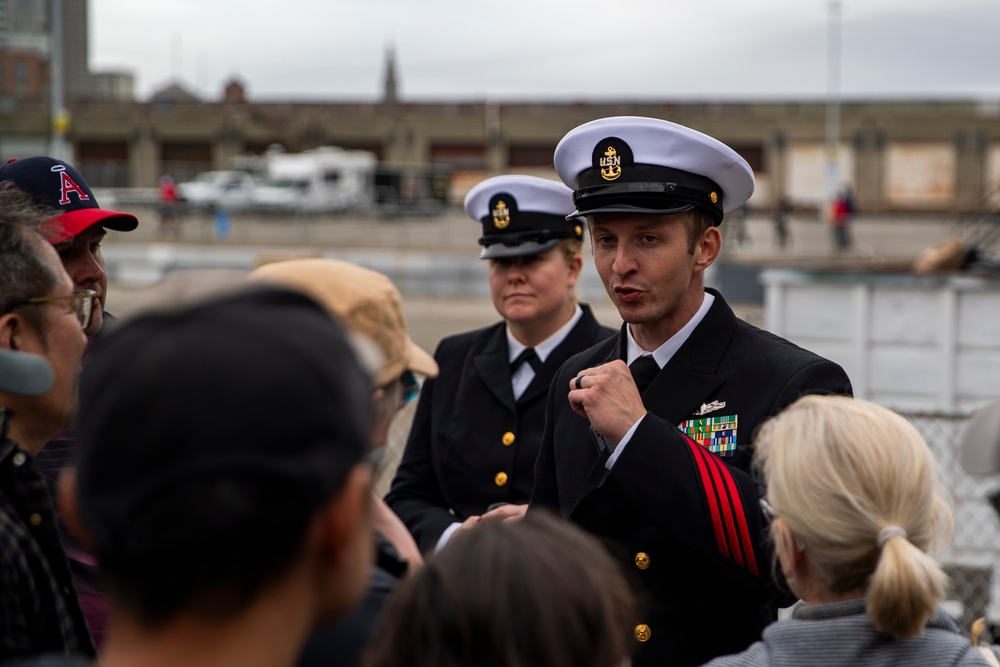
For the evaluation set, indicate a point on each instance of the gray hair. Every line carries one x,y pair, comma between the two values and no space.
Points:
23,271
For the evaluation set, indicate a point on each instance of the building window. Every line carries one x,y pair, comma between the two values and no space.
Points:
753,154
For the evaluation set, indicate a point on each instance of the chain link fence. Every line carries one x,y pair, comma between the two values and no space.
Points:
974,552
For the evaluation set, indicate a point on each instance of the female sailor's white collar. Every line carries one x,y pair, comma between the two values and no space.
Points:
545,348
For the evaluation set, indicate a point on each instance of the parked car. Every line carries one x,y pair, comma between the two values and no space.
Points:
232,190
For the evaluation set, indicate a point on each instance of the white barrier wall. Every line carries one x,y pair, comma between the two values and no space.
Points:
907,342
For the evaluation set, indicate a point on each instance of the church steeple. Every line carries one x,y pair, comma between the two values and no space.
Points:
390,85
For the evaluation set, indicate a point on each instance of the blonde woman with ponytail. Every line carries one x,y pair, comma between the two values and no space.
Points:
856,507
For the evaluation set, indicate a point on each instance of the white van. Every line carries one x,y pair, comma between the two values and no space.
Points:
322,179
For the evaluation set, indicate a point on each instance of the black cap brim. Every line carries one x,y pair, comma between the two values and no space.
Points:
626,208
496,250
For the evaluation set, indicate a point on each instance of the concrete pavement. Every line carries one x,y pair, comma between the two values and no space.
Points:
434,261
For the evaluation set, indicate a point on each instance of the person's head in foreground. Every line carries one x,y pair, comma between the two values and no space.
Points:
858,505
222,478
509,594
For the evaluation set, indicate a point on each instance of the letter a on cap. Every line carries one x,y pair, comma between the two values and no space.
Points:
68,185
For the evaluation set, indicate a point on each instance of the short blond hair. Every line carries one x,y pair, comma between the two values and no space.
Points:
571,247
839,472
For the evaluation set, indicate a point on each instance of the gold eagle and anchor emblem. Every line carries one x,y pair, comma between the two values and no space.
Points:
501,215
611,164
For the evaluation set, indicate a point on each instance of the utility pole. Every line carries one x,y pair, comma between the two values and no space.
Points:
57,103
833,103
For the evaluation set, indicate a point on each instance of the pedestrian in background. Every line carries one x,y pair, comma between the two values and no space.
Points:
781,222
169,218
471,450
841,214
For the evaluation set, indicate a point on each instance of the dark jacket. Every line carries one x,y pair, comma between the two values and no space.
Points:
39,611
684,522
471,444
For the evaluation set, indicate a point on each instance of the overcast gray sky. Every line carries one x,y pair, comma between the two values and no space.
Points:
553,49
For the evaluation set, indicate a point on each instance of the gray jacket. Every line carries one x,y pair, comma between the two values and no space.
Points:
840,634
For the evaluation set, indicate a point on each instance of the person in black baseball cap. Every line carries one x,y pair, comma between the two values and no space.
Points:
222,478
649,441
79,224
471,451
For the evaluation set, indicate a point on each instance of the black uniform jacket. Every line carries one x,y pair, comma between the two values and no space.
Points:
471,444
685,522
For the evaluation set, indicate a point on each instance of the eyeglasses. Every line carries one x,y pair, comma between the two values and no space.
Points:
768,511
81,302
410,388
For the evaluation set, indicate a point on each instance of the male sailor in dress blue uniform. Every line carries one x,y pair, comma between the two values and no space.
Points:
649,435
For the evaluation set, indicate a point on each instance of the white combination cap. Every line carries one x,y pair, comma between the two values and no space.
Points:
522,215
631,164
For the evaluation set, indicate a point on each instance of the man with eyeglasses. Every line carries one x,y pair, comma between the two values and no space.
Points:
76,228
40,314
366,303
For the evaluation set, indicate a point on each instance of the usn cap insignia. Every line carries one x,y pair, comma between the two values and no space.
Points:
611,164
611,157
501,215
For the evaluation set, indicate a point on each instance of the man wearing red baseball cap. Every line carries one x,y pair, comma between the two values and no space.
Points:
80,223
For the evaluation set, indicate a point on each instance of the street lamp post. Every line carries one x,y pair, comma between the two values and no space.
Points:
57,104
833,103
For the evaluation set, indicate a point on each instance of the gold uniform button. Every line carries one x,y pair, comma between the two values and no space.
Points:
36,519
500,479
642,560
642,632
507,439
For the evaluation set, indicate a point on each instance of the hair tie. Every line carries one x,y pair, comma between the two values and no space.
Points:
889,532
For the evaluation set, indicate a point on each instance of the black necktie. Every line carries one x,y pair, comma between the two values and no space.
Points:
529,356
644,369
